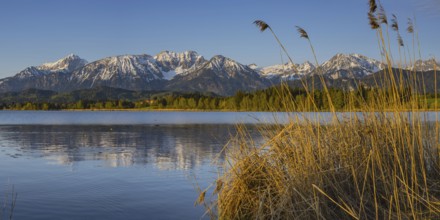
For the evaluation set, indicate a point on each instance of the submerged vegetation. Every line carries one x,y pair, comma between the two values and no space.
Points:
383,163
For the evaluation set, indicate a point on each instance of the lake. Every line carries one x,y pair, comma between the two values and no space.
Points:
135,117
115,164
111,165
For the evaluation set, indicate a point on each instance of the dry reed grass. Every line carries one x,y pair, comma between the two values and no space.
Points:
380,163
367,166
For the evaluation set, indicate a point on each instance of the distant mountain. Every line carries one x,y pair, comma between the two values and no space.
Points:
49,76
186,72
423,81
426,65
68,64
350,66
253,66
220,75
339,66
136,72
172,63
286,71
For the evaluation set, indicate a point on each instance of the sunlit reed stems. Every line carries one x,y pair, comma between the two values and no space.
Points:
381,163
303,34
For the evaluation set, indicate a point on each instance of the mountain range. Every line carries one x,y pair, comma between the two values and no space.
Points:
187,72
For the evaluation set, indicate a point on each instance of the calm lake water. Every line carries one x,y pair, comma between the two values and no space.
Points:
135,117
114,165
110,165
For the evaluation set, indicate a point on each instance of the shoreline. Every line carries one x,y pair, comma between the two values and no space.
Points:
217,110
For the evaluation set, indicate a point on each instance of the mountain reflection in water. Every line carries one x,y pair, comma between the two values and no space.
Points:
167,147
110,171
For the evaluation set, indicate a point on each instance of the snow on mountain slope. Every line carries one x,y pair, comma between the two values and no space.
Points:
31,72
339,66
426,65
286,71
350,66
67,64
186,71
172,63
171,60
227,67
253,66
126,68
220,75
164,66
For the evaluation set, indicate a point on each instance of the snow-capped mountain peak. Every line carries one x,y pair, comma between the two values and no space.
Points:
170,55
351,66
30,72
130,67
136,70
220,63
341,65
221,75
67,64
426,65
183,71
172,60
305,68
253,66
287,71
172,63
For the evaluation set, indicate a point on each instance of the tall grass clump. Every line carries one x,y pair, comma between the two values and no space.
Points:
382,162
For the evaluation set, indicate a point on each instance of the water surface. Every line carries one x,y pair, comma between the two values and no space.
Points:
135,117
118,165
175,117
109,171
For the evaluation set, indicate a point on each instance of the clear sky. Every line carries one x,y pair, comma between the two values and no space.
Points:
36,31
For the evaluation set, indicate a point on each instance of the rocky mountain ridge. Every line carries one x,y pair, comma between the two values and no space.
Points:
186,71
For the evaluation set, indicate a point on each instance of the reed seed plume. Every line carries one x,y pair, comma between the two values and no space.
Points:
382,16
373,21
373,6
302,32
261,25
394,23
410,28
400,40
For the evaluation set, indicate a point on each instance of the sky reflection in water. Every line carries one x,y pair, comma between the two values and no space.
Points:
109,171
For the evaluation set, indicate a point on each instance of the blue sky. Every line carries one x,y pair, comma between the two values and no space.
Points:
33,32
